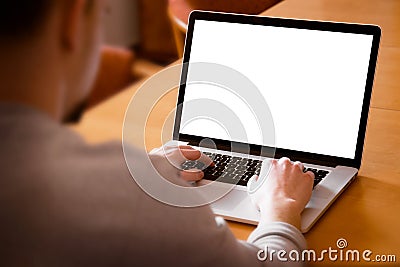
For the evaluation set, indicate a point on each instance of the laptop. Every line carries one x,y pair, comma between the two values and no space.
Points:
314,81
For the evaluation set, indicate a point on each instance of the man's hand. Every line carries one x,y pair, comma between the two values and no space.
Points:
285,192
168,160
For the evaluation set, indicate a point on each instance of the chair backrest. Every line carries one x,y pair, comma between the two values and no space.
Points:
179,10
233,6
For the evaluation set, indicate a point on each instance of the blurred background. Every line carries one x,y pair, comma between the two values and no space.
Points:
143,36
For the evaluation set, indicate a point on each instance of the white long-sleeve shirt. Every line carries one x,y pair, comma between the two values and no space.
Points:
66,203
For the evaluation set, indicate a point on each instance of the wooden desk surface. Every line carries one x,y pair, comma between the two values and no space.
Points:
366,215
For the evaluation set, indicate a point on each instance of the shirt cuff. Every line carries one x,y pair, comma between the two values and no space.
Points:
278,229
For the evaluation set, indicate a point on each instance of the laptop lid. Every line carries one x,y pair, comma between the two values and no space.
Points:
316,78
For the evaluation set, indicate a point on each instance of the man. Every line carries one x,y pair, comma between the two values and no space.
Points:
65,203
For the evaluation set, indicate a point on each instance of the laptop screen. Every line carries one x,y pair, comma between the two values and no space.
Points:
312,80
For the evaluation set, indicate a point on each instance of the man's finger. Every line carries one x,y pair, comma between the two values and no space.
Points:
185,147
284,160
190,154
193,154
299,164
206,160
311,174
250,184
255,177
192,175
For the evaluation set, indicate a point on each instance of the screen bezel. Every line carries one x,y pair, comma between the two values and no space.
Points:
312,158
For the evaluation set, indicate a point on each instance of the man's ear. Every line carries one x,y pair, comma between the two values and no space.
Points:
72,23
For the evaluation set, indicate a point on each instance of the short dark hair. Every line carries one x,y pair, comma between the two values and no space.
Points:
22,17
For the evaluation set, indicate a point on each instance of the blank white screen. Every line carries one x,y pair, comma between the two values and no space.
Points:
313,82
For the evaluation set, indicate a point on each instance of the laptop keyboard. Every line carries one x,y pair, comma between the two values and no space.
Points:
237,170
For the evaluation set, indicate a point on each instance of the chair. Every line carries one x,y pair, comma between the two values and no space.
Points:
179,10
114,74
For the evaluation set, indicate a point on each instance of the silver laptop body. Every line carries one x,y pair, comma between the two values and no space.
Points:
316,79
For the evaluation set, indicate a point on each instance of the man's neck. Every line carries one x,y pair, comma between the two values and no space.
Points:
29,79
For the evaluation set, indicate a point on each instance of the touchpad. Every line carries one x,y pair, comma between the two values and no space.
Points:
230,200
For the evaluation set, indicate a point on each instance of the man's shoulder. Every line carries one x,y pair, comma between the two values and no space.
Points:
48,161
32,139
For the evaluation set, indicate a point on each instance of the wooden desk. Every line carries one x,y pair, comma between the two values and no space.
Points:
366,215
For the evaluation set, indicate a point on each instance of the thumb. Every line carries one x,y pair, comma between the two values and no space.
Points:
251,188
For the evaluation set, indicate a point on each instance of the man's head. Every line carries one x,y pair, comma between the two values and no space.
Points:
23,17
50,51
